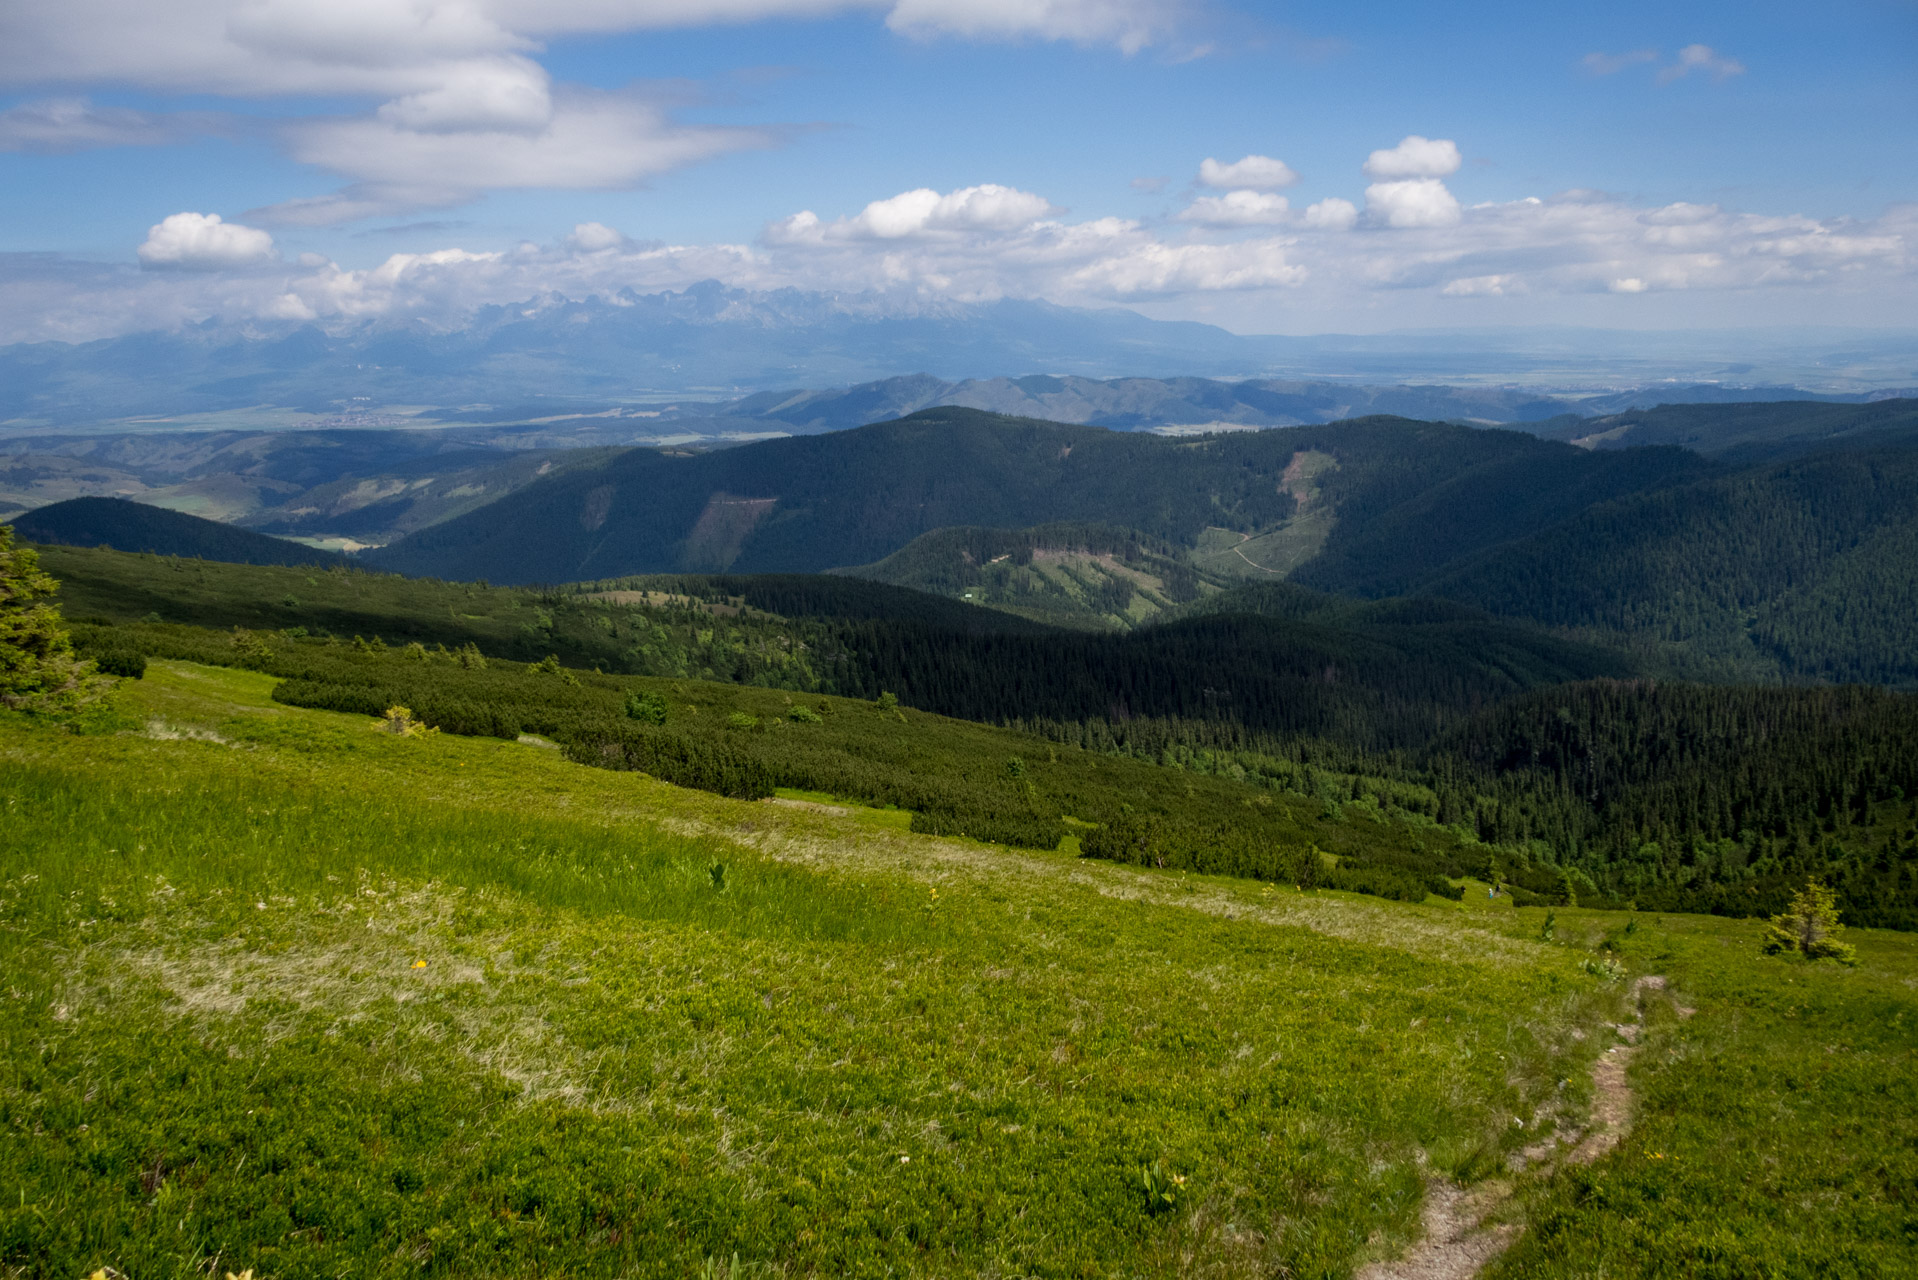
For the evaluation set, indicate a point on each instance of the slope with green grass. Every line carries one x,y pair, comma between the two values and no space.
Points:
292,994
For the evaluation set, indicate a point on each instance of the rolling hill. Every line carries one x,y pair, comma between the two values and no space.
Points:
1806,569
1746,432
854,497
134,526
350,486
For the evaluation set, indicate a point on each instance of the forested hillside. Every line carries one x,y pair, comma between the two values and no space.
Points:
1804,569
1579,776
854,497
1676,798
135,526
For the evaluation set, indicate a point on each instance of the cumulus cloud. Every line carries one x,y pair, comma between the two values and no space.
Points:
591,237
1703,59
987,207
1236,209
1257,173
1413,202
1331,214
1415,157
203,242
1153,269
922,247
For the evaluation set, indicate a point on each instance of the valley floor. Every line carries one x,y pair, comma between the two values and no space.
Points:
290,994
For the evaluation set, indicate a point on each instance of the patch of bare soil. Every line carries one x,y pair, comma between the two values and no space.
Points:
1454,1246
836,811
1458,1239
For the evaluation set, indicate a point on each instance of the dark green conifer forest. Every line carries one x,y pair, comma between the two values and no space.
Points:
1629,676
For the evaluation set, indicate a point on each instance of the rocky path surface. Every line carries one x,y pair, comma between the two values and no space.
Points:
1460,1238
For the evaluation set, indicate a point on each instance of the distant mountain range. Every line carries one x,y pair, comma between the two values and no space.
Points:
1191,406
553,356
1796,568
1792,554
348,487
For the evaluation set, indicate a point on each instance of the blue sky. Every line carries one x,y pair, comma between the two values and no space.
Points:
1749,163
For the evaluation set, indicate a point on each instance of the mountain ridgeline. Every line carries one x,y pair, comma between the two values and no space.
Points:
135,526
1796,565
853,497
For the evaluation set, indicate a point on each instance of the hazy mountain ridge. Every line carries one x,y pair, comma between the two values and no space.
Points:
553,354
356,486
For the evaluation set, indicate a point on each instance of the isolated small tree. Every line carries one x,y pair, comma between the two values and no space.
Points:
1810,927
38,671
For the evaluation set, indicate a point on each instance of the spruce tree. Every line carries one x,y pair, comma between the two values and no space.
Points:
1810,927
38,671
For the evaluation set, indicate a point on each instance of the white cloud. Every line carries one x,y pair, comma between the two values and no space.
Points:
987,207
1129,24
1259,173
1415,157
1332,214
1610,64
507,94
1701,58
1191,268
591,237
1480,286
589,140
1414,202
921,248
391,48
459,105
54,125
1236,209
203,242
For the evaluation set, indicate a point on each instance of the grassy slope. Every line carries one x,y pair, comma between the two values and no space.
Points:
295,994
1777,1130
603,1058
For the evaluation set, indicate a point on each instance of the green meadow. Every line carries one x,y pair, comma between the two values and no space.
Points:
291,994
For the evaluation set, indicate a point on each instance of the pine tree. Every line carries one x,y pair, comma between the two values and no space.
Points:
38,671
1810,926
